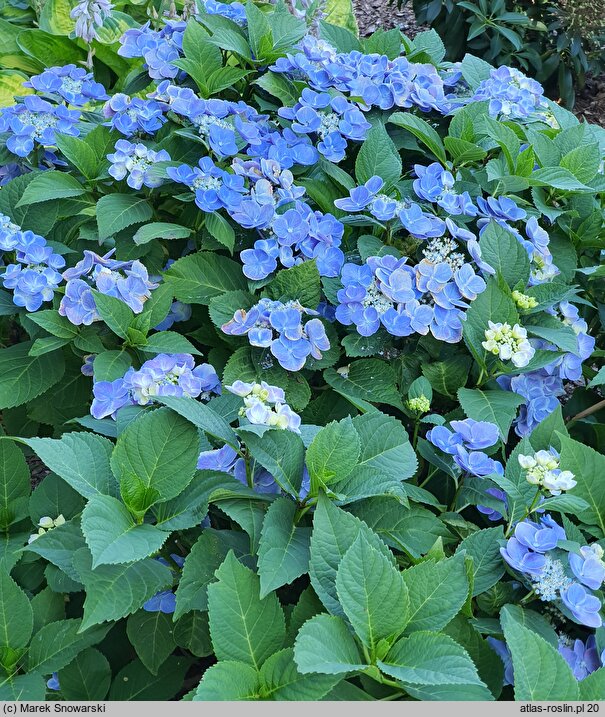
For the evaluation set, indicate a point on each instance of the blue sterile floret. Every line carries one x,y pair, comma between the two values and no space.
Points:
70,83
124,280
34,121
34,274
281,328
159,48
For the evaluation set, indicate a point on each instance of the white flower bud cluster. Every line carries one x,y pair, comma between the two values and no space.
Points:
265,405
542,470
45,524
510,344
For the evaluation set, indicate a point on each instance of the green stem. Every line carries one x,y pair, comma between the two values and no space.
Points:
415,436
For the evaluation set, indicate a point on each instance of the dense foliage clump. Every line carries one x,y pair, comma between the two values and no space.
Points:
307,330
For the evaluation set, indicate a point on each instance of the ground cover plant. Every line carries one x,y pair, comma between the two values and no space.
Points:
308,331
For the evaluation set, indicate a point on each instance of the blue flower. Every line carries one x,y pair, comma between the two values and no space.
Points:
133,115
539,538
583,658
360,197
492,513
476,435
53,682
158,48
134,162
583,605
420,224
221,459
164,601
522,559
233,11
503,208
511,94
588,567
35,121
70,83
109,397
178,312
477,463
503,652
78,303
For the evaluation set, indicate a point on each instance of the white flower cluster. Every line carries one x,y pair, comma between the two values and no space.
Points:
265,405
45,524
542,469
508,343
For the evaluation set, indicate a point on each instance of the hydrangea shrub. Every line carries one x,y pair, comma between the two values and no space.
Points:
304,329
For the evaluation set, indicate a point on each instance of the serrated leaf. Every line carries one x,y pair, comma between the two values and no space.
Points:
378,156
115,591
151,635
87,678
243,626
588,467
160,449
281,453
484,548
333,453
118,211
81,459
50,186
502,250
228,680
499,407
428,658
160,230
59,545
422,130
541,673
325,645
57,643
283,553
14,484
281,680
372,593
16,615
367,379
437,592
198,277
24,377
299,283
135,683
203,417
113,536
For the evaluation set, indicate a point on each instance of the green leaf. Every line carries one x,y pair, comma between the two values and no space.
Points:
588,467
484,549
113,536
491,305
115,591
21,688
135,683
111,365
370,380
299,283
243,626
46,345
281,452
541,673
422,130
14,484
437,592
205,557
220,229
151,635
57,325
118,211
278,86
378,156
283,553
87,678
582,162
16,615
504,252
325,645
56,644
81,459
203,417
281,680
333,453
79,153
413,530
557,178
114,312
49,186
160,450
499,407
428,658
160,230
556,333
169,342
372,593
59,545
592,688
341,38
24,377
334,531
228,680
198,277
446,377
193,633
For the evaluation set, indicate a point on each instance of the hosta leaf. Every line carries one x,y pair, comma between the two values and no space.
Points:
113,536
372,593
325,645
283,553
243,626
